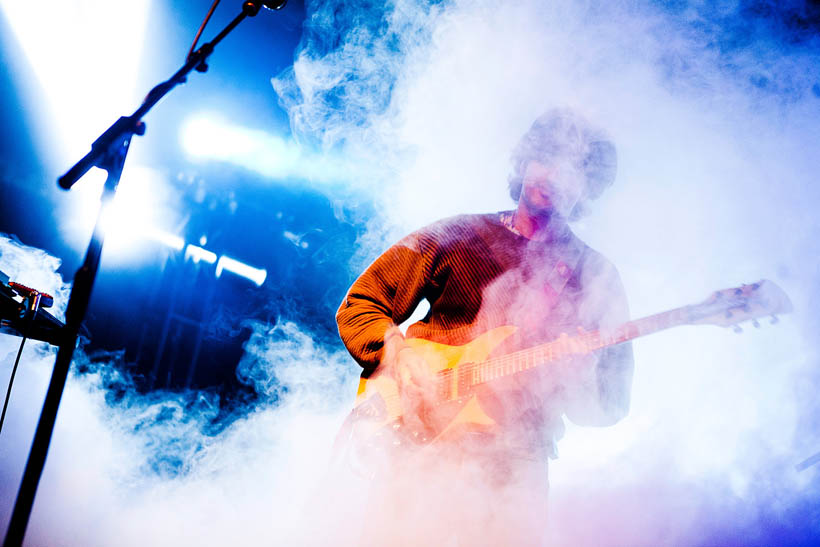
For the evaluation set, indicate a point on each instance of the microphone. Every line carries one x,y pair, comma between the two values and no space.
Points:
274,4
252,8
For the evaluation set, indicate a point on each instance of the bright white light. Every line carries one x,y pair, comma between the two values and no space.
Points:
256,275
170,240
295,239
207,136
142,204
197,254
85,55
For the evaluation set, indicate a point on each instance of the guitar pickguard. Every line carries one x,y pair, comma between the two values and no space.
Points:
378,399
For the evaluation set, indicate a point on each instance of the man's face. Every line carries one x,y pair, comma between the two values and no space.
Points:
552,189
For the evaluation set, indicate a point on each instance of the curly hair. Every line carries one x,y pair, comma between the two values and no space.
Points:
564,134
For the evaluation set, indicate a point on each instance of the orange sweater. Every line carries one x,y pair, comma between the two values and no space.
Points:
477,274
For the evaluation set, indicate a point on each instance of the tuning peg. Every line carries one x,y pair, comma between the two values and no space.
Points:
774,319
755,323
737,329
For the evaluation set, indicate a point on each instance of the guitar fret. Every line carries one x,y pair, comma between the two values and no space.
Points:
519,361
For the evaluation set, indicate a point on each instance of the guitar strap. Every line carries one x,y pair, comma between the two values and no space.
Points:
567,255
565,265
566,262
567,259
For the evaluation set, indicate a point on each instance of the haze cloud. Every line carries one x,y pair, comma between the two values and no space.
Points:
714,113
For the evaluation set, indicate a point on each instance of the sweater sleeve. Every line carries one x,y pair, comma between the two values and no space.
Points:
605,307
385,295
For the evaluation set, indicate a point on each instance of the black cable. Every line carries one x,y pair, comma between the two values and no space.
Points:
202,28
31,304
11,381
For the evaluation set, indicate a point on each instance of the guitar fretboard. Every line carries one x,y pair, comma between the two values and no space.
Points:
473,374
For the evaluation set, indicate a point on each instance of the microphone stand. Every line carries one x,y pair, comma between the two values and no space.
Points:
108,152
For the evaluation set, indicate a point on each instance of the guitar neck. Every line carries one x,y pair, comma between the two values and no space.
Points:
635,329
519,361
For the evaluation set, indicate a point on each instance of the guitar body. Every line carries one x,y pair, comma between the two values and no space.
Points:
378,405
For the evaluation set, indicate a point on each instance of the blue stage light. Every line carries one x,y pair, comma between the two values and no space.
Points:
256,275
198,254
169,240
295,239
207,137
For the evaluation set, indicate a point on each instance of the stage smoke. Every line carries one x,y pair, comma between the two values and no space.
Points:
714,110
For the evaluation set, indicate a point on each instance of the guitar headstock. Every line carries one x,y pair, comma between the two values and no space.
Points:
745,303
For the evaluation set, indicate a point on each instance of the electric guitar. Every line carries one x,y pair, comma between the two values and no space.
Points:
461,370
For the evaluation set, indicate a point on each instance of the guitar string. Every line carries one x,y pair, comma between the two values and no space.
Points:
526,359
589,342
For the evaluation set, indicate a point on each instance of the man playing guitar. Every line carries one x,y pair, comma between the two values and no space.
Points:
523,277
